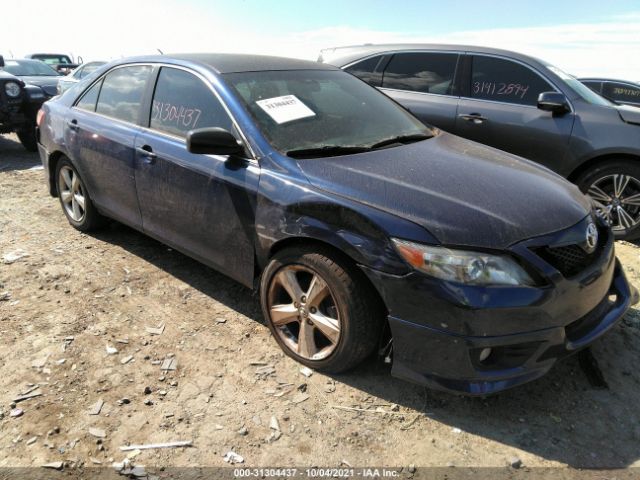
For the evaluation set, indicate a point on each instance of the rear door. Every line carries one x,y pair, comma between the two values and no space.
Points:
425,83
201,204
499,108
100,133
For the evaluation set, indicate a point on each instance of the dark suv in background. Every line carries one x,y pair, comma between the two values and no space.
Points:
618,91
19,104
519,104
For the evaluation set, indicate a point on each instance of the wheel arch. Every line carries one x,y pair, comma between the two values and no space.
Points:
600,159
349,261
54,158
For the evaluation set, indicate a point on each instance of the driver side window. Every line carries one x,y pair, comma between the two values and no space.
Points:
182,102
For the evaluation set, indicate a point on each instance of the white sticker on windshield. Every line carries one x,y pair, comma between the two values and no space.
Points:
285,109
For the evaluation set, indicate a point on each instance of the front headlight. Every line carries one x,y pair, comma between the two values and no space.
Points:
12,89
475,268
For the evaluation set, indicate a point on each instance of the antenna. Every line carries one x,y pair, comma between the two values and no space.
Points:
161,52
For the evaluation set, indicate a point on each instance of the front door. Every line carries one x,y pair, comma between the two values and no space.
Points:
203,205
500,110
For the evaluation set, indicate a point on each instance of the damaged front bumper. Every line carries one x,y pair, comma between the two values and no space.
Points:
481,340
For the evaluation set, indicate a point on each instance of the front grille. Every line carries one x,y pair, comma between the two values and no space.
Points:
570,260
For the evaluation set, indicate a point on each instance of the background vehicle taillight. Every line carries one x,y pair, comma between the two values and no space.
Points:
40,117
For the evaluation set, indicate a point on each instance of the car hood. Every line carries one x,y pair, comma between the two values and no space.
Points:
48,84
629,114
462,192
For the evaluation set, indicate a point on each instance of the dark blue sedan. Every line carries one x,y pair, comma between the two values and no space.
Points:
473,269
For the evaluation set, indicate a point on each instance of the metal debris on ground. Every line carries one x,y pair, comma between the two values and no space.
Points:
126,359
176,444
31,441
96,408
306,371
301,397
265,371
169,364
40,362
273,424
232,457
97,432
54,465
28,396
155,330
111,350
14,256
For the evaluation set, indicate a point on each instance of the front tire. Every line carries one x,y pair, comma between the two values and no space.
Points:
74,198
27,137
615,187
320,309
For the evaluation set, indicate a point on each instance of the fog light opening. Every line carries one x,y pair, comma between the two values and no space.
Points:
484,354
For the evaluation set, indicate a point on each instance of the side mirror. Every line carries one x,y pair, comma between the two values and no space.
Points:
553,102
213,141
1,61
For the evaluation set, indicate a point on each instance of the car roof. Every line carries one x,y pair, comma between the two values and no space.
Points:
234,63
341,56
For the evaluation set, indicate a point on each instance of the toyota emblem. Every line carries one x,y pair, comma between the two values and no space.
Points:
591,238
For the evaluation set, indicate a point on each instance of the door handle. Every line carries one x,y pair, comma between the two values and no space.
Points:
73,125
475,118
147,154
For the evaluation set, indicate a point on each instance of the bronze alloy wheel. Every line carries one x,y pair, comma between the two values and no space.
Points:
304,312
71,193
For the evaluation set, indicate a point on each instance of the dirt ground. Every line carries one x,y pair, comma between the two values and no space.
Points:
74,295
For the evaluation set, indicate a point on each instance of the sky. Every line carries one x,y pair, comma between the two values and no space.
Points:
584,38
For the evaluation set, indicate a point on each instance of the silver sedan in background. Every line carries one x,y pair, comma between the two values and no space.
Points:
68,81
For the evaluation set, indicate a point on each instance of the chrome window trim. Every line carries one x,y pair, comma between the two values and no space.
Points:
253,156
419,93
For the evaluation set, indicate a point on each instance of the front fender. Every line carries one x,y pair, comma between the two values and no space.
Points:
288,210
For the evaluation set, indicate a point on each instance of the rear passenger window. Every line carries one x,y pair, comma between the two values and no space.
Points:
621,92
506,81
122,92
89,99
422,72
365,70
182,102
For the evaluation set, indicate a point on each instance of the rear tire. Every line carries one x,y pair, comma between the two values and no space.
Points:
615,185
342,317
74,198
27,137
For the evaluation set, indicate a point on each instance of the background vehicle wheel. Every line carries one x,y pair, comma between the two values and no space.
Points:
615,186
320,309
74,198
28,139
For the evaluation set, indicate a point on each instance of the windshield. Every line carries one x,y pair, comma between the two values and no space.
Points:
581,89
323,109
30,68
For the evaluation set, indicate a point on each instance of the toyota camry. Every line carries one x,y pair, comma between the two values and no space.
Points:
363,229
